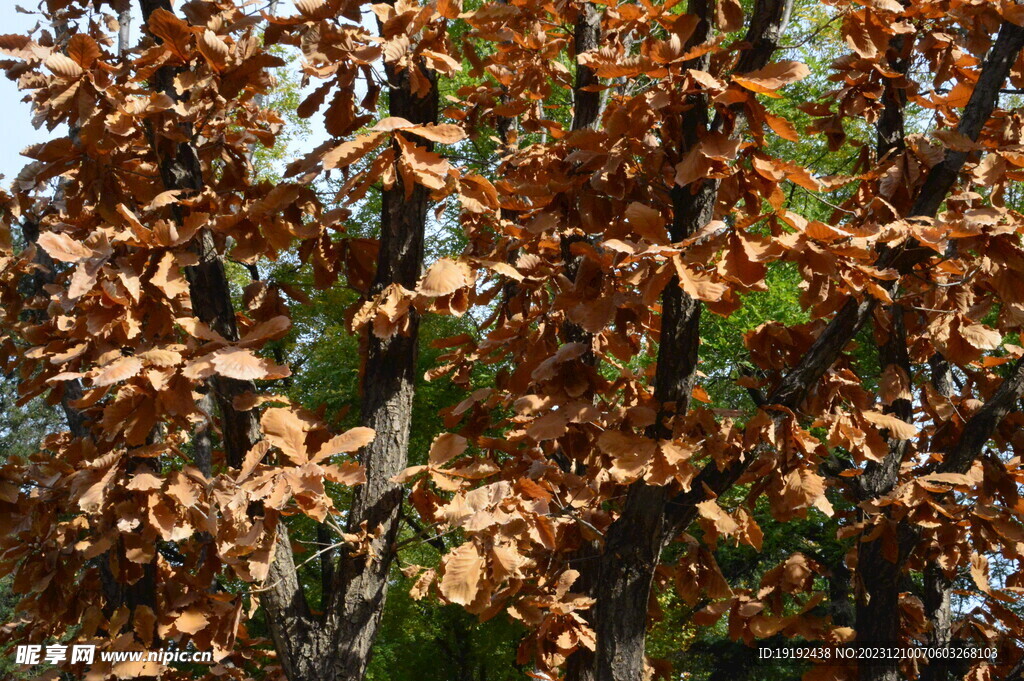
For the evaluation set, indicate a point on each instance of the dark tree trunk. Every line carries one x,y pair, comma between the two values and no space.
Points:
877,612
994,72
389,378
634,542
586,114
586,37
878,621
938,587
877,598
937,590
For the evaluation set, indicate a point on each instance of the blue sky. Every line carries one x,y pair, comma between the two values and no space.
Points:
16,131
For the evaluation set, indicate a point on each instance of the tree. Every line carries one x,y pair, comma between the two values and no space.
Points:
627,190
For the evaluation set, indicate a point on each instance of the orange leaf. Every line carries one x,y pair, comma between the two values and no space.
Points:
772,77
83,50
462,571
349,441
287,430
117,371
64,248
446,447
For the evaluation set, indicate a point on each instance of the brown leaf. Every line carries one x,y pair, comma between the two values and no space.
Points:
191,621
782,127
422,585
772,77
426,167
729,15
901,430
979,572
981,336
443,278
169,278
349,152
722,522
252,459
174,32
241,363
215,50
444,133
548,427
143,482
117,371
272,329
63,66
286,430
83,50
446,447
349,473
349,441
462,573
64,248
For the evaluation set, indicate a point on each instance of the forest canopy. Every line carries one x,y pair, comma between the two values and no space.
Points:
481,340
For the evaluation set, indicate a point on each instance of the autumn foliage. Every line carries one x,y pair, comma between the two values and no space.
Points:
636,188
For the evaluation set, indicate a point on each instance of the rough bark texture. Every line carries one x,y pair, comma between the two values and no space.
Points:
586,37
798,383
996,69
388,385
586,110
78,425
877,616
877,612
878,620
936,598
980,427
180,168
635,540
586,114
337,644
938,587
289,618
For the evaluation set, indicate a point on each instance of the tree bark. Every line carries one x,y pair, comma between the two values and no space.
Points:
360,585
878,618
938,587
586,37
877,611
208,284
335,645
797,384
877,604
586,114
994,73
635,540
289,617
124,26
937,591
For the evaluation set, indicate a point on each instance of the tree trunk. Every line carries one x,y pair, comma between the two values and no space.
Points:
337,644
878,619
937,590
938,587
877,605
389,377
877,612
124,26
635,540
586,114
208,284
